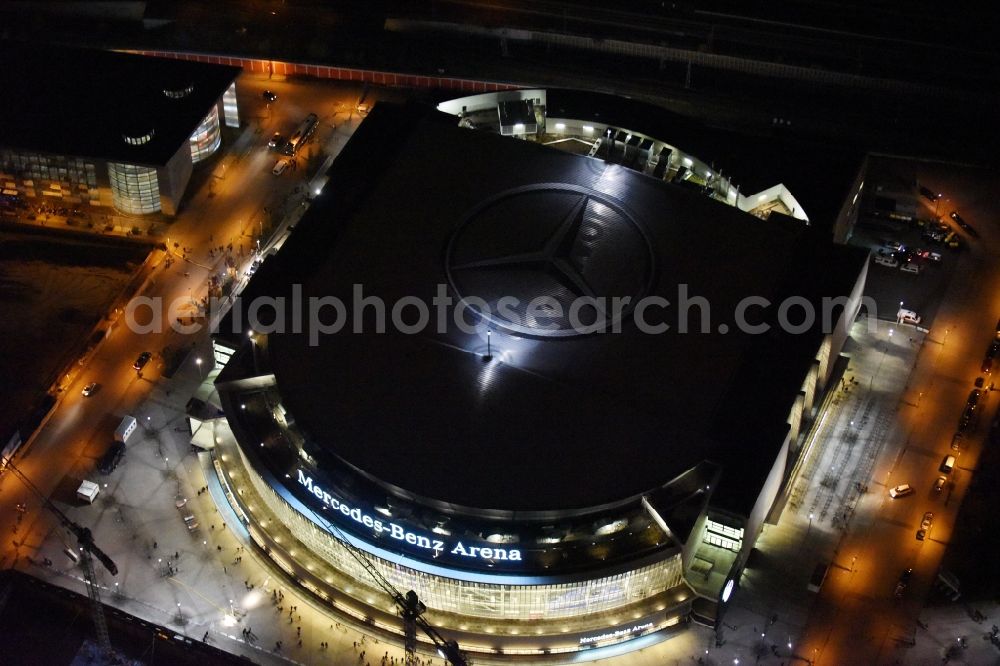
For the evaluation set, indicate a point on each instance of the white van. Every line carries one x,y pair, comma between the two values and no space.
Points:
947,464
886,260
125,429
279,167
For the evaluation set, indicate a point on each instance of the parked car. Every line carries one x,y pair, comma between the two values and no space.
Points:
903,582
269,96
90,389
987,365
277,141
927,255
928,194
907,317
142,360
279,167
973,398
911,267
891,262
901,490
939,483
966,419
111,458
960,221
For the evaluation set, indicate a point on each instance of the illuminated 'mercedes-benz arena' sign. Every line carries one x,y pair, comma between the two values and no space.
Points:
380,527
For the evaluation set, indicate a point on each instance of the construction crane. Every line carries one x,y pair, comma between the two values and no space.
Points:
88,550
409,606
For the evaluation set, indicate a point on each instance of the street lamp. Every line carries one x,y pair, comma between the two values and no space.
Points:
197,362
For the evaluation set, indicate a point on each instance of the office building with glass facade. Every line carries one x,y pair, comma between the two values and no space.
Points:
547,473
115,130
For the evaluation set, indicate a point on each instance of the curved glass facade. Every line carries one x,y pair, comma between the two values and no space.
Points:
206,139
491,601
134,189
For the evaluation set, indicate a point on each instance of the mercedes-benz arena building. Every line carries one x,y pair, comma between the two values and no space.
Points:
545,485
99,128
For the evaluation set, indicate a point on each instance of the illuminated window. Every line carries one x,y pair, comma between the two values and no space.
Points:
35,173
723,536
206,138
134,189
483,600
229,107
139,140
179,93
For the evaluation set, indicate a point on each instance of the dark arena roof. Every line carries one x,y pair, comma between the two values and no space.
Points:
556,420
84,102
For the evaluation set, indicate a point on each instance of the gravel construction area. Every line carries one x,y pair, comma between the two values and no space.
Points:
52,293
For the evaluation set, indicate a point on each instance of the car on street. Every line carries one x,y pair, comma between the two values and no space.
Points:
277,141
901,490
960,221
142,360
279,167
903,582
939,483
891,262
979,382
987,365
911,267
90,389
269,96
363,109
907,317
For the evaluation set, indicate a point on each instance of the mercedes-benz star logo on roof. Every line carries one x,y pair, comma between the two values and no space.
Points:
550,260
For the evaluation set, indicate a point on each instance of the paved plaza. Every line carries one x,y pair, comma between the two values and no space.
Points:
213,580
